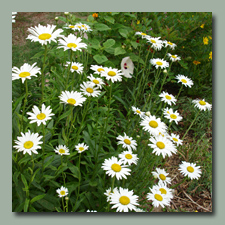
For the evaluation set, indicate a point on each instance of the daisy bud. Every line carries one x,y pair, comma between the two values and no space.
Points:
56,18
138,136
165,71
66,198
66,13
148,113
123,46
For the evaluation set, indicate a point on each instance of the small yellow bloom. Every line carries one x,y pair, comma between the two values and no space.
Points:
192,15
210,37
95,15
138,22
210,55
202,26
196,62
205,40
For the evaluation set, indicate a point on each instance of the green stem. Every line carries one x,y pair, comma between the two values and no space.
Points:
69,66
43,148
63,204
179,91
191,125
78,192
176,185
43,76
24,105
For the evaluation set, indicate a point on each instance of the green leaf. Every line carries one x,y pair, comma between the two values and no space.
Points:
94,43
24,181
121,101
119,51
101,27
123,32
26,205
93,183
62,19
134,44
100,58
75,170
129,14
67,113
109,43
46,204
90,18
114,13
109,19
37,198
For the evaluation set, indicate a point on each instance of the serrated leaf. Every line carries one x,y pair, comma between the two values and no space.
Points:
101,27
100,58
109,43
119,51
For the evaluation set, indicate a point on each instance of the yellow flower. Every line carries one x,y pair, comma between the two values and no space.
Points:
192,15
138,22
210,55
202,26
95,15
210,37
205,40
196,62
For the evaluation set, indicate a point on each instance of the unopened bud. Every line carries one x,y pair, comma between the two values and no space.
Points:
165,71
66,198
148,113
56,18
138,136
66,13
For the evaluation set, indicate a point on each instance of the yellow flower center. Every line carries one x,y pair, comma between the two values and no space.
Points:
168,97
173,116
71,45
62,151
124,200
138,111
143,34
175,139
116,167
127,141
173,56
170,43
71,26
79,26
158,197
71,101
89,90
160,145
112,73
28,144
153,41
168,112
100,70
44,36
190,169
128,156
183,80
96,81
41,116
74,67
81,148
202,103
62,192
153,124
83,25
159,63
24,74
162,176
163,191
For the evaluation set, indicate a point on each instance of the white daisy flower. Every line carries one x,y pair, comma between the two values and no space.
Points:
161,174
62,150
81,147
173,116
202,104
85,28
26,71
153,125
13,17
87,88
162,145
91,210
73,98
128,157
127,142
71,42
109,192
44,34
137,111
184,80
124,200
28,143
71,27
170,44
159,63
63,191
156,43
112,74
143,35
173,58
168,98
96,81
158,199
78,26
127,67
40,116
176,139
190,170
162,187
97,69
139,210
75,67
115,167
